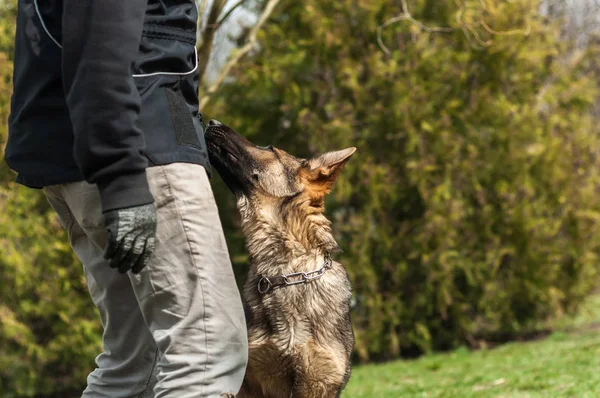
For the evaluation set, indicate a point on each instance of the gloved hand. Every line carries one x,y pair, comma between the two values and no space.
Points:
131,235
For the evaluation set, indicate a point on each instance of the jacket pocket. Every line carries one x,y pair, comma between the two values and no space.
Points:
170,119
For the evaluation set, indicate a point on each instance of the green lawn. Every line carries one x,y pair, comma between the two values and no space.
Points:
566,364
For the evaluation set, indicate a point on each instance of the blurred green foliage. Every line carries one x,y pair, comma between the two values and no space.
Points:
49,328
468,213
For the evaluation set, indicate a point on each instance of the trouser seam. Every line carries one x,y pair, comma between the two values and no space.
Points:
204,321
151,374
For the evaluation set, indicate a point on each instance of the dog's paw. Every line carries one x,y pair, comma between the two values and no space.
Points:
227,395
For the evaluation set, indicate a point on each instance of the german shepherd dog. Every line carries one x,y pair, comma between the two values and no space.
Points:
296,298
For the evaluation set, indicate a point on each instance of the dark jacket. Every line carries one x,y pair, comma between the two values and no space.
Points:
102,90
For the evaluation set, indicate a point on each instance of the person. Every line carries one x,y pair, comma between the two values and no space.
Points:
104,118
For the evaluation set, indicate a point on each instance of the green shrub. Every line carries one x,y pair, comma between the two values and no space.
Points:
49,328
470,210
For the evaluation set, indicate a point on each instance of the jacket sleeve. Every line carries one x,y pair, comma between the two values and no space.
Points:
100,39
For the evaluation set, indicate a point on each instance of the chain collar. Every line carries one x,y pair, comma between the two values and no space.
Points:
265,284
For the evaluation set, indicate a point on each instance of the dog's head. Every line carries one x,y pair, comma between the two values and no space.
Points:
270,175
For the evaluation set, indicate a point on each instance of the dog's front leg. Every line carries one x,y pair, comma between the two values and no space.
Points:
319,372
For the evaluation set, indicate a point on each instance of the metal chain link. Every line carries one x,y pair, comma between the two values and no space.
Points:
265,284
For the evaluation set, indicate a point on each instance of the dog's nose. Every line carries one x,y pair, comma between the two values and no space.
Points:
214,122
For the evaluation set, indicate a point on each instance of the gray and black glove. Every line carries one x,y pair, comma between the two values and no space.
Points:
131,235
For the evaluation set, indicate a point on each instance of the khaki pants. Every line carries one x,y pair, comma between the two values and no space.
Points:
177,329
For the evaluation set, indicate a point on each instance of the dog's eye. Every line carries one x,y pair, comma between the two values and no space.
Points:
255,176
267,148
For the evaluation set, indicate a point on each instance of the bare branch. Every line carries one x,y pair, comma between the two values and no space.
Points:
205,47
419,24
240,53
230,11
524,32
380,28
468,29
202,4
479,40
405,16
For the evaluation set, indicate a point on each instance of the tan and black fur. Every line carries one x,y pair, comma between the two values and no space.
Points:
300,337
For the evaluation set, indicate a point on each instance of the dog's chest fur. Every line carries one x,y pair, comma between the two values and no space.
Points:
292,315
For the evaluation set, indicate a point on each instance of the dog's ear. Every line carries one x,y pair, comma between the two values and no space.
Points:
329,164
322,171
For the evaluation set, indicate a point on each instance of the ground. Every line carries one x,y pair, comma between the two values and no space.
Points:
565,364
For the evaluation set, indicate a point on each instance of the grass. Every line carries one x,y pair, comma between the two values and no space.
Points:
565,364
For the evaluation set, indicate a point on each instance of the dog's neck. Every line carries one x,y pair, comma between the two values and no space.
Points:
299,237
